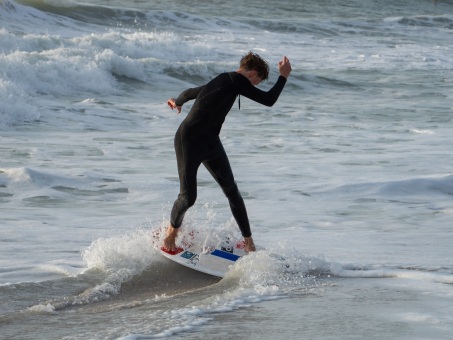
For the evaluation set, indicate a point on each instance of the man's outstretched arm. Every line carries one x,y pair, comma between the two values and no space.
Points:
270,97
184,97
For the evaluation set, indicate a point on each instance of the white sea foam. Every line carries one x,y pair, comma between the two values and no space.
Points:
422,132
48,308
25,176
16,105
129,253
417,275
66,270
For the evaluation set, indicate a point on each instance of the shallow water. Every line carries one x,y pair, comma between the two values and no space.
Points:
347,178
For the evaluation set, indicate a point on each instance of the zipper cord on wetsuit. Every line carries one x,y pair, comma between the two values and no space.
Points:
239,101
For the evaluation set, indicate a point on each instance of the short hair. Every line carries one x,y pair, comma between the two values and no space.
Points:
252,61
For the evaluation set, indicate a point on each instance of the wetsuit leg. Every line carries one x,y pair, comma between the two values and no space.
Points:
219,167
188,160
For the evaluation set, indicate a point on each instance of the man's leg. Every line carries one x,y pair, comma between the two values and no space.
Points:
188,163
219,167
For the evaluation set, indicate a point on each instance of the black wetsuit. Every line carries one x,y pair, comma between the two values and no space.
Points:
197,141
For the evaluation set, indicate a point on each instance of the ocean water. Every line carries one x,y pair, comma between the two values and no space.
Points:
347,179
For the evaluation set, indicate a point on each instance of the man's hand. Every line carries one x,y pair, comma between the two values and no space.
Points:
171,102
284,67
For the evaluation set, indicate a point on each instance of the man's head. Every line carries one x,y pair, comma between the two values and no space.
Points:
253,62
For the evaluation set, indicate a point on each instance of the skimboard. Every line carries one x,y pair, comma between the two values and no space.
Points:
213,260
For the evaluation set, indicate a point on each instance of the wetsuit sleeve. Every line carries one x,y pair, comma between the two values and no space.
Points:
187,95
266,98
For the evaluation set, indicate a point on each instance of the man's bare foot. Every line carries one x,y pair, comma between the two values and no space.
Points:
249,244
170,239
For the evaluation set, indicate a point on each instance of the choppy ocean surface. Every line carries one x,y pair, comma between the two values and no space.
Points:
348,178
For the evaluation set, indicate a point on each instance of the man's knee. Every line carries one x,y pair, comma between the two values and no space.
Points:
188,200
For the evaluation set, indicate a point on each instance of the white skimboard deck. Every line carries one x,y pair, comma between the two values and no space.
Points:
213,260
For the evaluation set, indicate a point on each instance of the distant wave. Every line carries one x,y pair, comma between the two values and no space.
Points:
81,50
415,186
32,65
439,21
41,188
45,12
420,275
